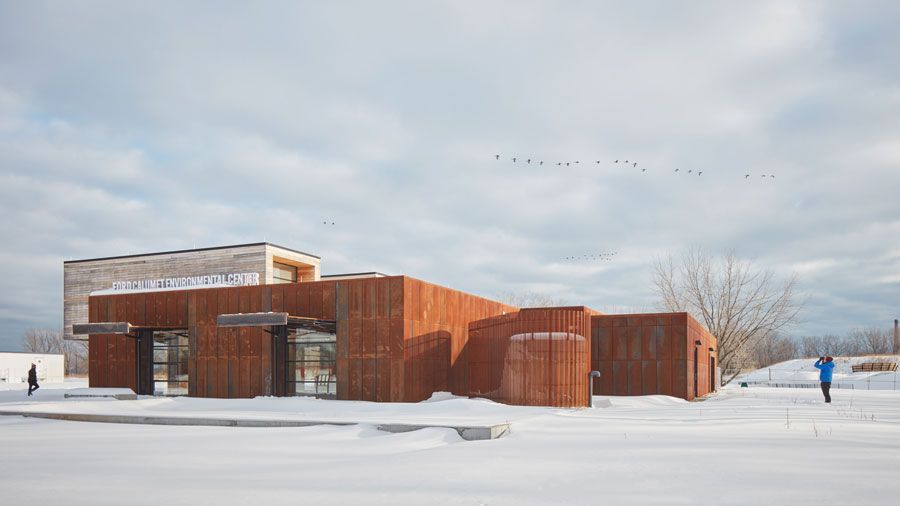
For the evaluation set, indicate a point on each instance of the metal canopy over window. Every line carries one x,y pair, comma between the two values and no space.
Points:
273,319
120,328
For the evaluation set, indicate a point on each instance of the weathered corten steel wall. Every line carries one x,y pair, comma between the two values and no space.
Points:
112,358
644,354
532,357
437,319
398,338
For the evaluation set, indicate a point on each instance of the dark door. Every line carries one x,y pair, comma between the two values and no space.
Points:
696,372
144,357
712,374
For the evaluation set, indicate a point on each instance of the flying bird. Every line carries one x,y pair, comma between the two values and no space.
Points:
542,162
497,157
529,160
635,164
746,176
514,159
616,161
567,164
676,170
700,173
598,161
643,170
690,170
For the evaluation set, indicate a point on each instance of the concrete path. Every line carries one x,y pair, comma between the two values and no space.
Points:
469,433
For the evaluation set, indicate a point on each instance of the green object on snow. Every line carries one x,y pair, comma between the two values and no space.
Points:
743,384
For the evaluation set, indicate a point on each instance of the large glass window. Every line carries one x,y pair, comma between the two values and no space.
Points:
170,363
283,273
310,368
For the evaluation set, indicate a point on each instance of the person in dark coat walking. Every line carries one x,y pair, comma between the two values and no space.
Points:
32,380
825,365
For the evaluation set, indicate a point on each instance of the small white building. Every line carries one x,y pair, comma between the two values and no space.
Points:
14,367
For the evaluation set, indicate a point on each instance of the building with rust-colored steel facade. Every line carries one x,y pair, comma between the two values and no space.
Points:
373,337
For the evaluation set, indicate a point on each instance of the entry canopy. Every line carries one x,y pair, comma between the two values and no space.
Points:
101,328
123,328
275,319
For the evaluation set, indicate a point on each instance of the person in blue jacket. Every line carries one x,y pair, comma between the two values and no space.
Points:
825,365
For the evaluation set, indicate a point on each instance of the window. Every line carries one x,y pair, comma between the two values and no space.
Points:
310,366
170,363
283,273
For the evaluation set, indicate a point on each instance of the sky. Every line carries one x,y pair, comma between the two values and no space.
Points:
139,127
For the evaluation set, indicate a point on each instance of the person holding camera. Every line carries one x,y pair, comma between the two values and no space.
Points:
825,365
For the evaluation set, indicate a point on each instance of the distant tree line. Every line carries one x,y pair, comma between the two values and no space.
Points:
51,341
775,348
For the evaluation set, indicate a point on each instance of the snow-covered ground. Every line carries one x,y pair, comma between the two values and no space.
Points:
802,373
741,446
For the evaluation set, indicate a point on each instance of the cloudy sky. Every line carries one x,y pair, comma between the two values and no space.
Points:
168,125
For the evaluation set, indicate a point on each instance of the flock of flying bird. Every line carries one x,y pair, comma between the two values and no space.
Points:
608,256
633,164
594,257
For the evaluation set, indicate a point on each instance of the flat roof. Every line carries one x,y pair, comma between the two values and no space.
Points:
372,273
189,251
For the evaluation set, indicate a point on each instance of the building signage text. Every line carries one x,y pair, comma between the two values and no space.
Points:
233,279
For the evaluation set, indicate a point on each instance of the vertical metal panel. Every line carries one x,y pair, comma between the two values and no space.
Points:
214,302
368,338
634,342
303,306
329,302
649,382
192,300
316,303
648,342
620,341
680,378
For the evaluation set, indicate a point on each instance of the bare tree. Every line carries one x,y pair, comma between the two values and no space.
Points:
829,344
530,299
51,341
872,340
40,341
772,349
738,303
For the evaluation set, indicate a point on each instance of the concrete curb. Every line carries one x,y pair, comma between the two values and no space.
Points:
467,432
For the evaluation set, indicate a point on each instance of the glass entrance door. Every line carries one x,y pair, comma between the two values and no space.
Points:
170,362
310,364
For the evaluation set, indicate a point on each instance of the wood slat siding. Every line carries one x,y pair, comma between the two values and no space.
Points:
645,354
531,370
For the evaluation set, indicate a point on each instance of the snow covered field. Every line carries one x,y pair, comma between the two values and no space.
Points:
802,373
742,446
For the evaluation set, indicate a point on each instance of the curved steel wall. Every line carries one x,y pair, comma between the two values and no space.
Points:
533,357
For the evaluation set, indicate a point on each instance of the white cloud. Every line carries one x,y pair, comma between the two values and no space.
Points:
126,128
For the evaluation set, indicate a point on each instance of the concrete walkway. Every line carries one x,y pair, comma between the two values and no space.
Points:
469,433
